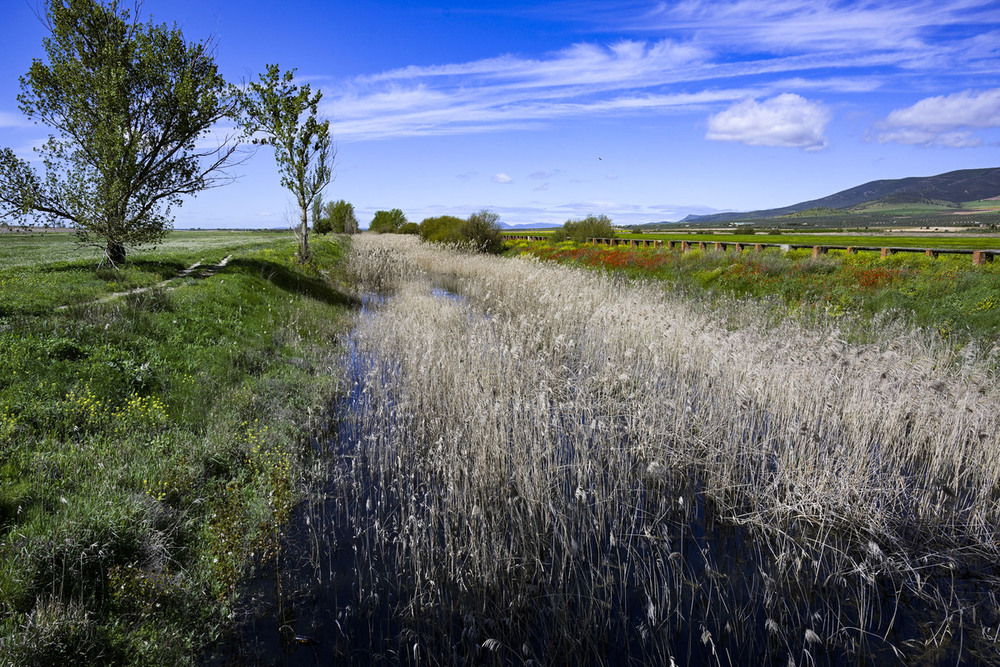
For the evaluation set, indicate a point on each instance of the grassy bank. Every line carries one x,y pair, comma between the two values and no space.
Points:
946,294
150,444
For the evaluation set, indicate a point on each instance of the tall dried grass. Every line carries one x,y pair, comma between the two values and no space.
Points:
558,463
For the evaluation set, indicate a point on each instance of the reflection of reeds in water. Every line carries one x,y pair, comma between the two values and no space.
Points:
566,467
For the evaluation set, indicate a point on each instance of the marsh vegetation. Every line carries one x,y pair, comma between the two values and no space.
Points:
538,463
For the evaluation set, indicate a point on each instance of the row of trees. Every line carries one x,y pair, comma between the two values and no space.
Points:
481,230
132,107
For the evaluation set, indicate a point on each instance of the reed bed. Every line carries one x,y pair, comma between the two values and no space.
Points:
545,464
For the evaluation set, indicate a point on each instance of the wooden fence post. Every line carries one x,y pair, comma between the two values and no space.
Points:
980,257
818,250
885,253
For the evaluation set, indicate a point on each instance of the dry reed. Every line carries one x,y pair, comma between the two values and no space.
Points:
559,463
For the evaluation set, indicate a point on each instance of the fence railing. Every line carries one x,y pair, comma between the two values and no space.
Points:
979,257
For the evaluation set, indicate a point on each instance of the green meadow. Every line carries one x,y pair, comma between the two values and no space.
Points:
152,443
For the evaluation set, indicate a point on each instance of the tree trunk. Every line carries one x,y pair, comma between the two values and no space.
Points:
304,238
115,252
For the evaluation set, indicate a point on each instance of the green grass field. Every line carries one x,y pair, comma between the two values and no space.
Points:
151,445
50,247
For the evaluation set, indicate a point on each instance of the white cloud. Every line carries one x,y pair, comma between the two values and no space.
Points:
947,112
502,178
945,120
787,120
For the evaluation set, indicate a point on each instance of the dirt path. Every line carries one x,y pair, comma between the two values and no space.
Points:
210,270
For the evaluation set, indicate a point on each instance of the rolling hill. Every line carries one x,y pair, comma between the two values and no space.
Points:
953,188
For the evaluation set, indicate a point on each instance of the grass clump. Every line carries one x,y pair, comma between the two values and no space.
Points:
152,443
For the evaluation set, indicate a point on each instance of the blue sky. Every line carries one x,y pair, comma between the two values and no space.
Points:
545,111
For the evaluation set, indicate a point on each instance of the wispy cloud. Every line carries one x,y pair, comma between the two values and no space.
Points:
512,92
917,137
908,31
702,55
502,178
787,120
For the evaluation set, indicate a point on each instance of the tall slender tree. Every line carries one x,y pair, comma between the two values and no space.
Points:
128,103
280,113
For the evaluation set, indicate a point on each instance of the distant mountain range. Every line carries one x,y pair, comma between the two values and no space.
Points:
953,187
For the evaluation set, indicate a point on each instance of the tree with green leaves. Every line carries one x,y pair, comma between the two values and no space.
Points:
340,217
591,227
280,113
482,230
442,229
387,221
128,102
321,223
